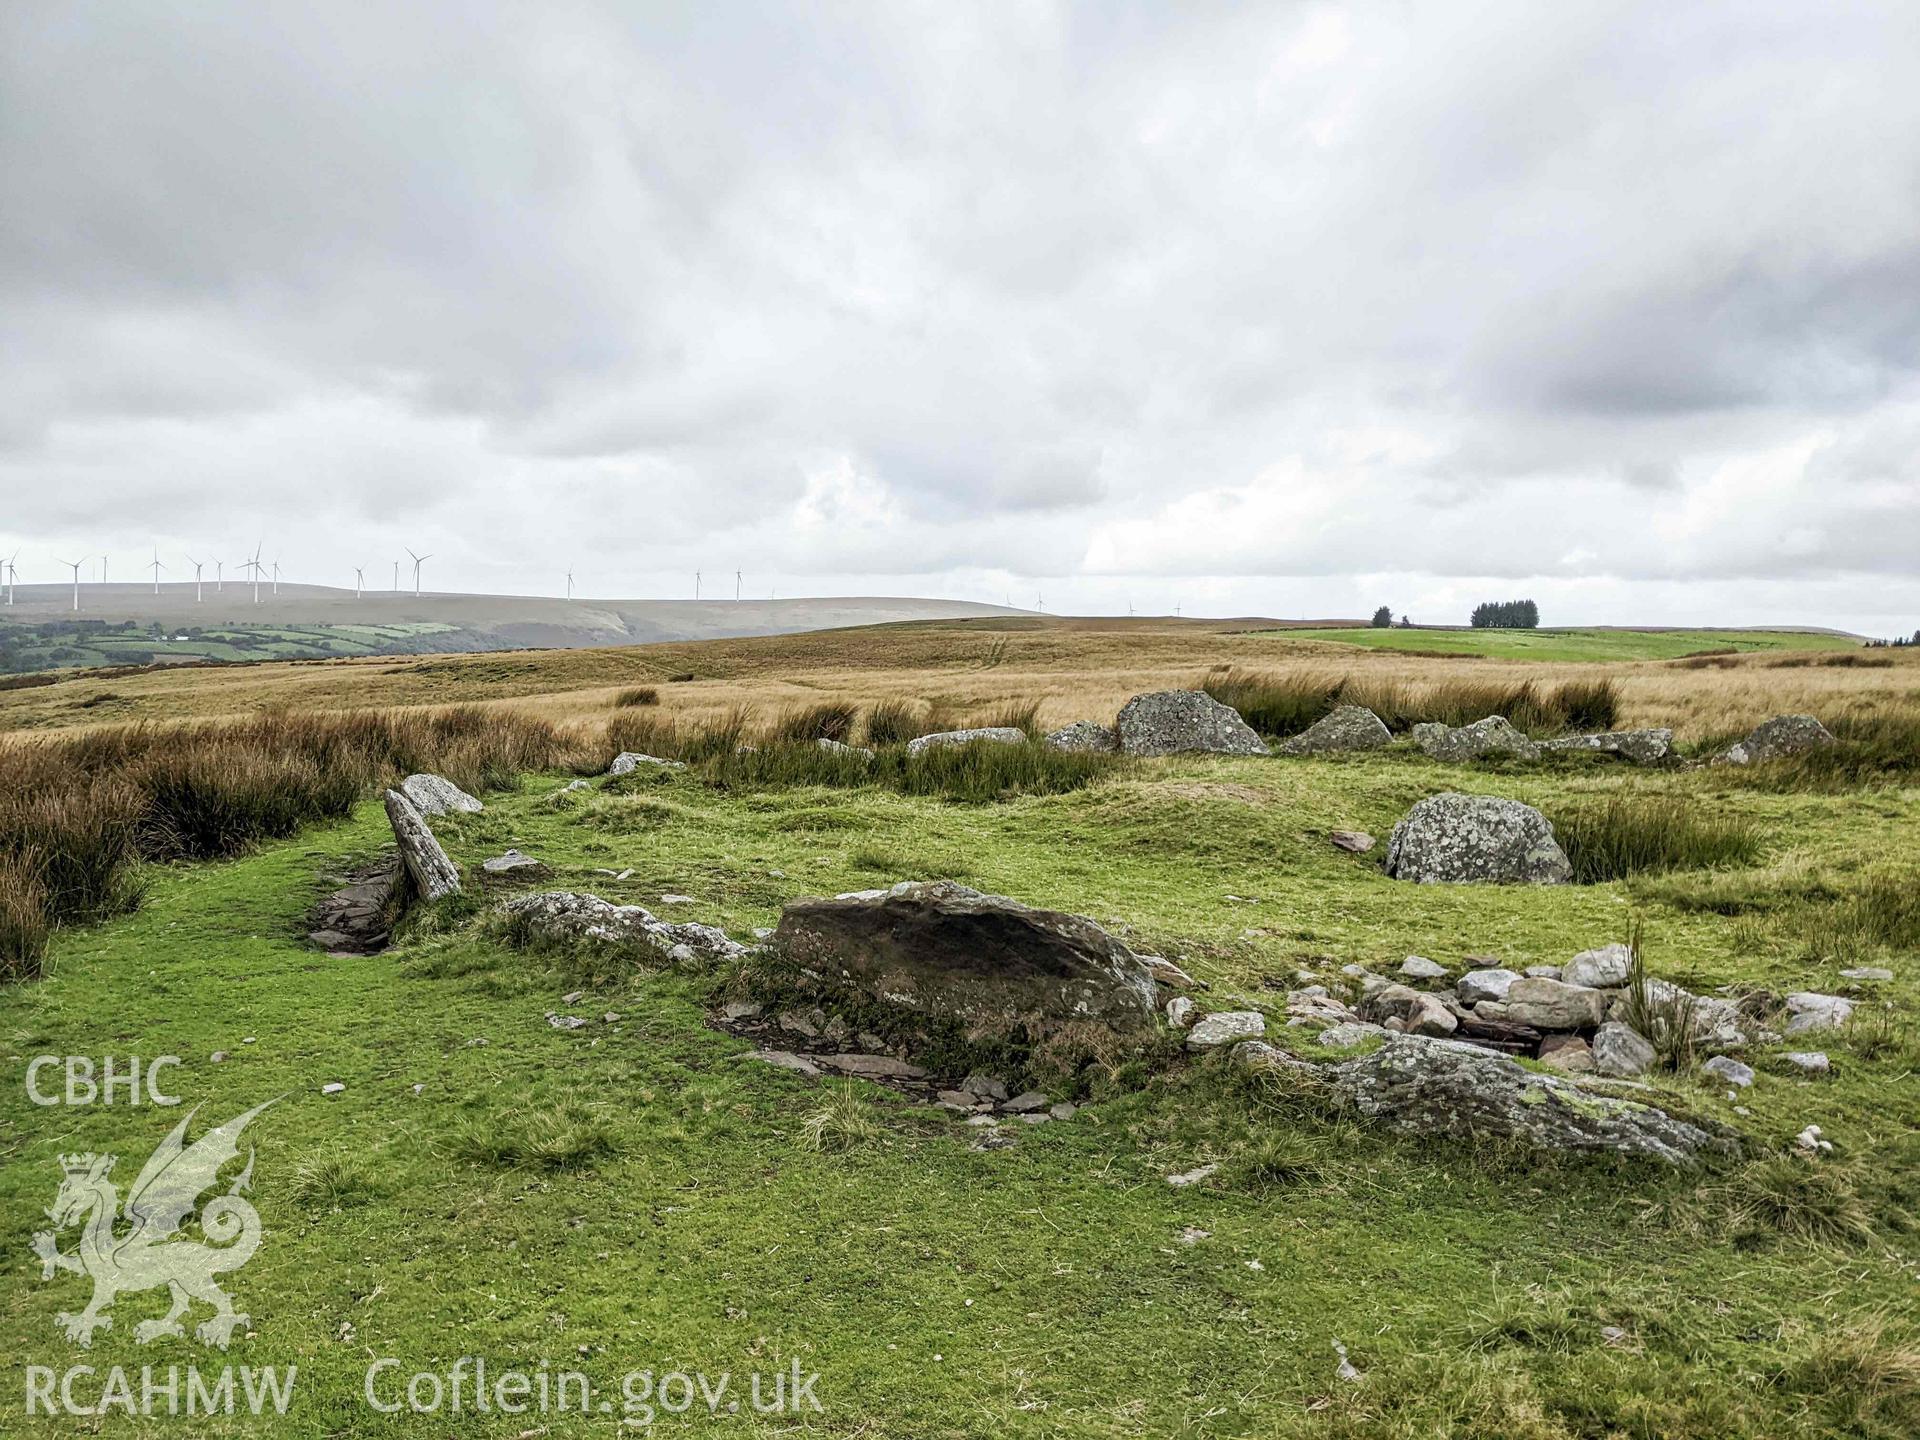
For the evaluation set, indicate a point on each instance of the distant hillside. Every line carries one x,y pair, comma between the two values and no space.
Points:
128,624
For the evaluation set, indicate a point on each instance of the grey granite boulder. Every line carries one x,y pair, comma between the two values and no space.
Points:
1483,738
436,795
1812,1011
560,917
950,954
1554,1004
1478,985
1084,735
1725,1067
1606,968
1228,1027
1782,735
990,735
1621,1051
1345,727
628,761
1642,747
1173,722
434,876
1476,839
1446,1088
840,747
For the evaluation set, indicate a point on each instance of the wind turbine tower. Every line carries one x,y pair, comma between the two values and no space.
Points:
569,582
156,567
197,567
13,575
276,577
359,582
75,564
736,587
418,561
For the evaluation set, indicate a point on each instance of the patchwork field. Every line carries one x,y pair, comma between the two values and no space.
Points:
638,1194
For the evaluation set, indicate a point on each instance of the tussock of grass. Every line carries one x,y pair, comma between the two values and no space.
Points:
893,722
844,1120
1285,705
1879,748
1629,835
1792,1197
1275,1161
1015,715
1667,1020
636,696
563,1137
830,720
23,920
332,1182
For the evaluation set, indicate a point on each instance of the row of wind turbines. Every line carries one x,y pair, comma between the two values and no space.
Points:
250,567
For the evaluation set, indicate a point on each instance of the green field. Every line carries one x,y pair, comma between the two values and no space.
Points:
70,644
1578,644
637,1195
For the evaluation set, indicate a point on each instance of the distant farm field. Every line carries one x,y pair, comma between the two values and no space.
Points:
1580,644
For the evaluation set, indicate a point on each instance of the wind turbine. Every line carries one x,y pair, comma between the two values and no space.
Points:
219,576
103,569
75,564
13,575
418,561
255,566
156,567
359,582
396,577
696,584
569,582
276,577
197,567
736,587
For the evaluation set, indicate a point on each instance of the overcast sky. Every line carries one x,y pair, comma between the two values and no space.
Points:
1290,309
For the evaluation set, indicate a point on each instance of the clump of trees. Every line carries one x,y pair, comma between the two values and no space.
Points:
1383,618
1894,644
1506,615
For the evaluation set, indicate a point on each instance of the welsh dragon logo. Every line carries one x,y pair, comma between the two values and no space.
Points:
151,1252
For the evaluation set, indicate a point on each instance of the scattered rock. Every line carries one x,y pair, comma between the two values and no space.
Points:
1478,985
434,876
219,1057
1725,1067
742,1010
553,916
872,1067
1715,1021
1469,839
1782,735
1063,1110
513,863
1554,1004
1354,842
1165,972
1180,1012
1172,722
1867,972
1349,1034
1566,1052
1312,1004
1345,727
565,1022
1228,1027
1814,1011
1621,1051
628,761
434,795
1543,972
1414,1011
1193,1176
332,1087
1446,1087
1492,736
786,1060
1642,747
944,952
573,785
1809,1139
1022,1104
1193,1235
1605,968
838,747
991,735
985,1087
1421,968
957,1099
1813,1062
1084,735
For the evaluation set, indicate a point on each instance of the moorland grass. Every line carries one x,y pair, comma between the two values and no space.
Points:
1626,835
1282,705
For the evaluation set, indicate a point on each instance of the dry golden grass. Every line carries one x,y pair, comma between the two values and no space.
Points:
1073,669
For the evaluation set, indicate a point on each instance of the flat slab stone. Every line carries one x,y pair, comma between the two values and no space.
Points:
1226,1028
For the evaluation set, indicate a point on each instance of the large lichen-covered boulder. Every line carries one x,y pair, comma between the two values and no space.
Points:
1435,1087
990,735
1642,747
1454,839
1084,735
558,917
1173,722
945,952
1782,735
1345,727
436,795
1493,736
434,876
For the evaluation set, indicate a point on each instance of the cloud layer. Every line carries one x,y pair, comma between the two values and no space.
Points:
1284,308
